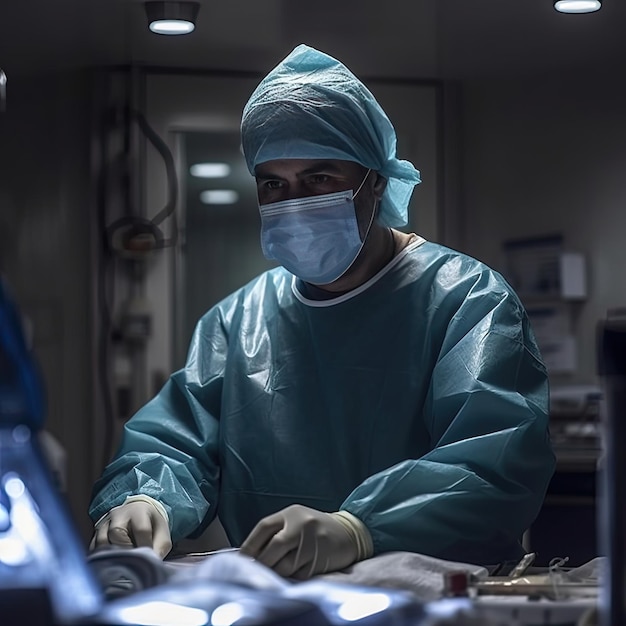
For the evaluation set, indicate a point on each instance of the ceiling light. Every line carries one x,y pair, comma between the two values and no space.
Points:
577,6
210,170
172,18
219,196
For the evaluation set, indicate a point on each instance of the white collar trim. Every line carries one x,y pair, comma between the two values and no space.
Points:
361,288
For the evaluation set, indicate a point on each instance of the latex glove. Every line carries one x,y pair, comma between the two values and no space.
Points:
299,542
140,522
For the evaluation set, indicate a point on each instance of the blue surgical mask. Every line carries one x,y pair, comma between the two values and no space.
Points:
316,238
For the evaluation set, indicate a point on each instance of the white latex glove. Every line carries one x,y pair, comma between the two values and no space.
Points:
299,542
139,522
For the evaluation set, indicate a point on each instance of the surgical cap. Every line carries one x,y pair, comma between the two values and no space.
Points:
310,106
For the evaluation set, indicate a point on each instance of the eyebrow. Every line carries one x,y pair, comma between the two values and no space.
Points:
322,166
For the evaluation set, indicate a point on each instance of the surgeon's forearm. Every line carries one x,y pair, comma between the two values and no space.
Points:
461,516
174,485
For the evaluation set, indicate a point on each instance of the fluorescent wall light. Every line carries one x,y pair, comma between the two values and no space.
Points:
171,18
210,170
577,6
219,196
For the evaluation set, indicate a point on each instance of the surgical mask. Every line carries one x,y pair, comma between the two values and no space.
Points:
316,238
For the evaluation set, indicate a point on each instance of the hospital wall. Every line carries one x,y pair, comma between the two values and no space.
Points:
526,157
548,155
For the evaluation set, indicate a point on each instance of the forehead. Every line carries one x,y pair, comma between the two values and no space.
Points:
301,167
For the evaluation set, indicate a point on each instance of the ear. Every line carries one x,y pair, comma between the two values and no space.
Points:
379,186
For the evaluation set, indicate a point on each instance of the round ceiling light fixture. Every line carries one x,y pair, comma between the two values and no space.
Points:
172,18
577,6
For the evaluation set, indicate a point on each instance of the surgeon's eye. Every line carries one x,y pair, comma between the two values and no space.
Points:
318,179
270,184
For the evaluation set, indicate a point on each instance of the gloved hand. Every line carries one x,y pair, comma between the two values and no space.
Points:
139,522
299,542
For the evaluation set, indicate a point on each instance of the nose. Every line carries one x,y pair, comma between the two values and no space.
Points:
296,189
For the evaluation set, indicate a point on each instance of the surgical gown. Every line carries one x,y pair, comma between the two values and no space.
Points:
418,403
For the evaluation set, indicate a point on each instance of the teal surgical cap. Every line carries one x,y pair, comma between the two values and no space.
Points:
310,106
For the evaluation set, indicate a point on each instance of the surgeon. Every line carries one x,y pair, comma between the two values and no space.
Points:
374,392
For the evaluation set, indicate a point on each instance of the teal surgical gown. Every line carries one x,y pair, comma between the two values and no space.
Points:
418,403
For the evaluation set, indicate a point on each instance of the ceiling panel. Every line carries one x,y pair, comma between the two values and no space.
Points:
396,38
